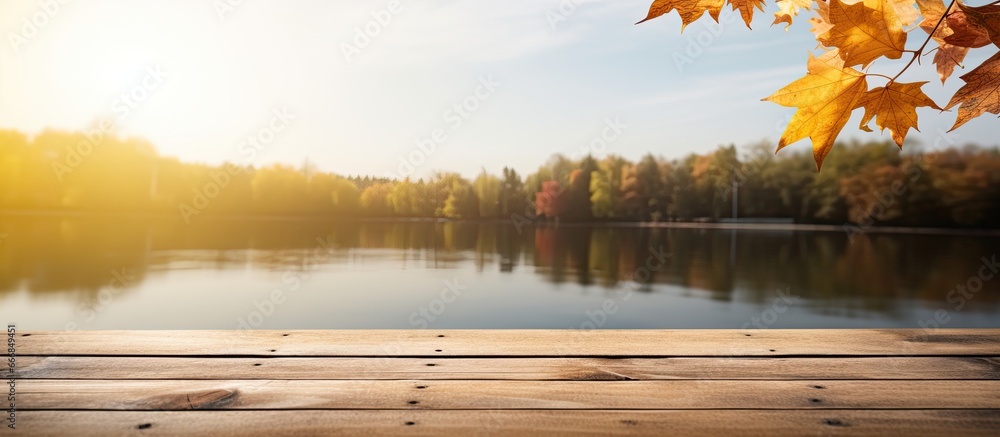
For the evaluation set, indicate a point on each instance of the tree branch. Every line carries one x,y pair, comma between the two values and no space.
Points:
918,52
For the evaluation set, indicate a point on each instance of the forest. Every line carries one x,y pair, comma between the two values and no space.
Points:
871,183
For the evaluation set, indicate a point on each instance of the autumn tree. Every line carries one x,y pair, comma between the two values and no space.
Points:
345,197
280,189
375,200
487,189
576,204
461,203
547,200
601,198
633,192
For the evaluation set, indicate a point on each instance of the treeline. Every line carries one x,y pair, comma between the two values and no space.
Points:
870,183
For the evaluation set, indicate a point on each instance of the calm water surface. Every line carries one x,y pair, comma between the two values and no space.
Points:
58,273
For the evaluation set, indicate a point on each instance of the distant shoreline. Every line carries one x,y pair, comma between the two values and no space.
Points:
749,224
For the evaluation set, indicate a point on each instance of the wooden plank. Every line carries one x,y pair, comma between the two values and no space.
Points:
502,423
60,367
363,394
551,343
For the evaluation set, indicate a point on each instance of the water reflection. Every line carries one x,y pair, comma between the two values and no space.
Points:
53,257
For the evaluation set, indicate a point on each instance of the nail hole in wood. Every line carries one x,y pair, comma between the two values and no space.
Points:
437,350
284,335
747,335
274,350
413,402
144,426
834,422
421,386
819,386
431,364
772,350
256,364
25,335
440,335
815,401
411,423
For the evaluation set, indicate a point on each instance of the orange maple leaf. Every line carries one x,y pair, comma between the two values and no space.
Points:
788,9
905,11
825,98
689,10
821,22
947,57
932,10
986,17
965,32
746,8
980,94
894,106
864,31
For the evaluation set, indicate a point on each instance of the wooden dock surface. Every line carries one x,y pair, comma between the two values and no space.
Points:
510,382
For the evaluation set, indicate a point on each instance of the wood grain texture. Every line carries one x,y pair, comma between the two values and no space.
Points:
514,343
636,382
163,395
573,369
512,423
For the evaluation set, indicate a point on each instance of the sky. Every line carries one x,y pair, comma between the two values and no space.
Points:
405,88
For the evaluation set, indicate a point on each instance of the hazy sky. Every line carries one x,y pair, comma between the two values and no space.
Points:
558,79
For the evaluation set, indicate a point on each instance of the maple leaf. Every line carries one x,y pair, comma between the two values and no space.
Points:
905,11
865,31
947,57
965,32
932,10
689,10
957,29
980,94
788,9
746,8
821,22
986,17
894,106
825,97
858,32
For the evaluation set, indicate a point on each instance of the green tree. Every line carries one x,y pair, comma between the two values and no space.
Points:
512,197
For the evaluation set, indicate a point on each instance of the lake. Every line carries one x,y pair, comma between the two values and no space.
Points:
101,273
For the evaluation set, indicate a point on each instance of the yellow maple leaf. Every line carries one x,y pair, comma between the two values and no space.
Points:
689,10
788,9
980,94
825,98
932,10
894,106
746,8
864,31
